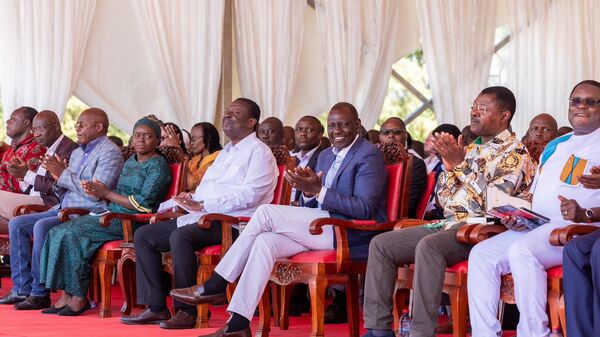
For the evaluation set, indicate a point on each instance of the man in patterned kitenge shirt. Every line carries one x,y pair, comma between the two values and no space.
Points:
495,158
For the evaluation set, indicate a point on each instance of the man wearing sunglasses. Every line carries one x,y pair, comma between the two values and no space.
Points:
558,194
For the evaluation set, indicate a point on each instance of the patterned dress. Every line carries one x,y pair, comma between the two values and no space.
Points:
70,247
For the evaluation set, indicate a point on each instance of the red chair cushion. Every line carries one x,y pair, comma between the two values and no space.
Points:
211,250
314,256
555,272
112,245
461,267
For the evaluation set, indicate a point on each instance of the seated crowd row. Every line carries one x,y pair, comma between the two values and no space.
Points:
560,176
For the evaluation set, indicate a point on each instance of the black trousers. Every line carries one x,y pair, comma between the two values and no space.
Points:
153,239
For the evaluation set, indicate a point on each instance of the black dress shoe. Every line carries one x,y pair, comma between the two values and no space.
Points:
194,296
181,320
12,298
34,303
335,314
53,310
67,311
146,317
221,333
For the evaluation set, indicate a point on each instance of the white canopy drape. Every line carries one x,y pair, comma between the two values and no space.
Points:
458,44
185,38
42,44
553,47
358,42
268,38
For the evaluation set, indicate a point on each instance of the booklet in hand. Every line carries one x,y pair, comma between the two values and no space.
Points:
524,216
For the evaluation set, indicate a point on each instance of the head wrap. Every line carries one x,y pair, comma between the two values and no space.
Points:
149,123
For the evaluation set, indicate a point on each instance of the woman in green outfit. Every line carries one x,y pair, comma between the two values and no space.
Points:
69,247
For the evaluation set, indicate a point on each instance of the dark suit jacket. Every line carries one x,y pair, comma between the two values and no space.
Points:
417,185
358,191
312,163
44,184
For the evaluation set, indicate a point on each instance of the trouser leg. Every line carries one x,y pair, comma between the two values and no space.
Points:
150,241
432,255
40,231
387,252
488,261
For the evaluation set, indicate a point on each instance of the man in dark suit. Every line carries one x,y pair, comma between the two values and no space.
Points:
308,133
350,183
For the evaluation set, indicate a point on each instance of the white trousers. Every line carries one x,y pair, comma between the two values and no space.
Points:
273,232
9,201
526,255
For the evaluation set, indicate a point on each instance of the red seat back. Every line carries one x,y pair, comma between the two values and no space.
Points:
398,187
283,190
429,187
177,179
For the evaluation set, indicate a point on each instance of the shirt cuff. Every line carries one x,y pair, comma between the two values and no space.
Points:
321,195
211,205
30,177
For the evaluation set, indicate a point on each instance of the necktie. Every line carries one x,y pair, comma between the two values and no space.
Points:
333,170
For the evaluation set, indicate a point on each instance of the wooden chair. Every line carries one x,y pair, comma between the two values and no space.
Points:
427,193
560,237
209,257
109,254
320,268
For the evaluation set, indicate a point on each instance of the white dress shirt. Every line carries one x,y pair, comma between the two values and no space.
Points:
29,179
242,177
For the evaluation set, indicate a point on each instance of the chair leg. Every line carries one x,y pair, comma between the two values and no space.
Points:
106,271
352,305
126,275
317,288
264,316
561,315
459,303
276,298
554,303
284,315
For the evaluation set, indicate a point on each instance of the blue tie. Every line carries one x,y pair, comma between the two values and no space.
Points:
333,170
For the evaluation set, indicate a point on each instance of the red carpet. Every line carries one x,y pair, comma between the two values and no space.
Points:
34,324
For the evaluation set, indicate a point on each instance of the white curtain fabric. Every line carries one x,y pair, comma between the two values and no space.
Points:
42,44
359,40
458,45
268,38
185,39
553,47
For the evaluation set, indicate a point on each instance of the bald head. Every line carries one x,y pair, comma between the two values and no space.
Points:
542,127
46,128
91,124
270,131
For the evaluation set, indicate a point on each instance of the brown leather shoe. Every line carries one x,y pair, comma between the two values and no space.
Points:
221,333
146,317
181,320
193,296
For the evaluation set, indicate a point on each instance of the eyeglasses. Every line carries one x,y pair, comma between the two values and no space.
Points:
482,109
341,125
144,136
589,102
40,129
80,125
308,131
395,132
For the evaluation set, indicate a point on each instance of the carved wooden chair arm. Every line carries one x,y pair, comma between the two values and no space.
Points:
560,236
406,223
205,221
26,209
65,214
127,221
483,232
165,216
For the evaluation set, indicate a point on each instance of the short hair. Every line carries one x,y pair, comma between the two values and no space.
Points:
321,129
253,109
28,112
505,98
397,119
345,105
448,128
210,136
588,82
118,141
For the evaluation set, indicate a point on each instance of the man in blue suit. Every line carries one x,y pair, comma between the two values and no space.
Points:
96,158
350,184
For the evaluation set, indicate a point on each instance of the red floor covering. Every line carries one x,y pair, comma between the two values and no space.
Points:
34,324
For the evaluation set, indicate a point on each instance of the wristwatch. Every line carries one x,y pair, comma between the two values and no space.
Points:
589,214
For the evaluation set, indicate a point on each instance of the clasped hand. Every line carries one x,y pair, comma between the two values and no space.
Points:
304,179
95,188
451,150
